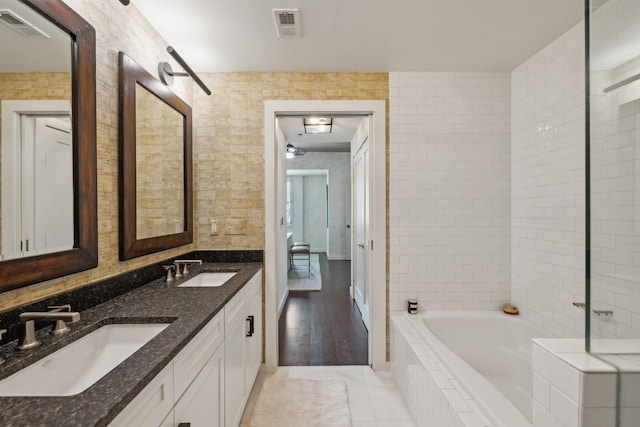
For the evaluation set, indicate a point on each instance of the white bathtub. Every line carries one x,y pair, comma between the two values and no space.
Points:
488,356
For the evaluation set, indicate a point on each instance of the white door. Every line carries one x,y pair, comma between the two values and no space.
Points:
360,183
53,183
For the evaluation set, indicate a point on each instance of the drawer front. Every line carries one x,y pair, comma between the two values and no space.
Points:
193,357
152,405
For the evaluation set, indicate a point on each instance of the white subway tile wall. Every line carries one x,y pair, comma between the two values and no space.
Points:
449,190
615,121
548,185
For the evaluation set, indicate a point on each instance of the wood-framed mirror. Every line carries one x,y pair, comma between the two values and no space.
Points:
155,179
67,202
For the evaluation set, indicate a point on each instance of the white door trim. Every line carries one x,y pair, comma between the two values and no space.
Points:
377,192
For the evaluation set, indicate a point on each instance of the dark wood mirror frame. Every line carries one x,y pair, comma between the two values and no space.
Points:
132,74
21,272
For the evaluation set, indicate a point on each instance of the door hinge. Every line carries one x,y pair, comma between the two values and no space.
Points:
371,244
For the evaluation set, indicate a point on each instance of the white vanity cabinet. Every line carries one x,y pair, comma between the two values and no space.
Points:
253,351
243,348
209,381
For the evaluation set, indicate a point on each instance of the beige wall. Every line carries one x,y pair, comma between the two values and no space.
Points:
117,29
35,86
228,141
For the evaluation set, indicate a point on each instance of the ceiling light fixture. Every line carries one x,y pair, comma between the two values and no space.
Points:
295,151
317,124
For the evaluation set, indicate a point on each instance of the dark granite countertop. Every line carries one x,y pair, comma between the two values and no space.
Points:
188,310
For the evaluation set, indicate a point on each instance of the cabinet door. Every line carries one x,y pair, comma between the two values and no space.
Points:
253,347
234,392
202,404
168,422
188,363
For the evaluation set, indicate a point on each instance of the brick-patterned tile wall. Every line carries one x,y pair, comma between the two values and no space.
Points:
615,124
117,29
547,185
449,204
159,167
229,142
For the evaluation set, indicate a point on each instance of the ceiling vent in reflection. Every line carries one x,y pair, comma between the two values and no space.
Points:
20,25
288,22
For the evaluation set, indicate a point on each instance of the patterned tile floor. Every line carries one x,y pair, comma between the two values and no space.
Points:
374,399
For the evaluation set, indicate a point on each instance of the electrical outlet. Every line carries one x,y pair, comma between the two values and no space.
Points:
236,226
213,227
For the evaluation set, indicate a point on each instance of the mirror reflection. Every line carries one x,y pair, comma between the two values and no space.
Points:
36,163
159,167
155,179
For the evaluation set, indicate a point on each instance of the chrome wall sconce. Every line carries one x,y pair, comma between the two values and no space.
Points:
166,73
295,151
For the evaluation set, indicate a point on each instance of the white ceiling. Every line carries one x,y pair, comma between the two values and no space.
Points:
361,35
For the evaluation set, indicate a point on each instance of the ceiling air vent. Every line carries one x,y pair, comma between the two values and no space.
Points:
20,25
288,22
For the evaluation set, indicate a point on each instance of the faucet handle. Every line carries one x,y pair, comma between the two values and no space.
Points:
60,327
177,265
185,263
169,275
59,308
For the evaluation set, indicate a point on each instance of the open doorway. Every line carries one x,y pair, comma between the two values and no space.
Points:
276,253
319,323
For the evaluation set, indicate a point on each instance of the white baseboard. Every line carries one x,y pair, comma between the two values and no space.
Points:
338,257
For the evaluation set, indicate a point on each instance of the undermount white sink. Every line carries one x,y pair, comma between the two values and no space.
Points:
211,279
79,365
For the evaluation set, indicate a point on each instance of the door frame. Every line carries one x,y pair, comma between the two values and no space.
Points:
274,177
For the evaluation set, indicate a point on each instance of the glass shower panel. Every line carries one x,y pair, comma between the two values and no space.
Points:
613,325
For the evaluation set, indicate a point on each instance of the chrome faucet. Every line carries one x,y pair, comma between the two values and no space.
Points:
185,263
169,269
60,314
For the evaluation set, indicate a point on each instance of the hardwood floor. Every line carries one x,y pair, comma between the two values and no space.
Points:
323,327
